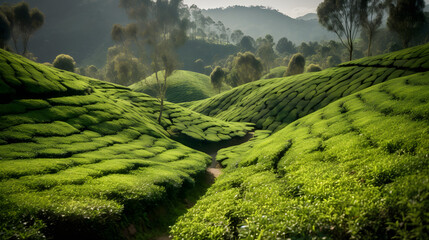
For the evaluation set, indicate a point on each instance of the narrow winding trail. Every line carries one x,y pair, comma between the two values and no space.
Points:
215,168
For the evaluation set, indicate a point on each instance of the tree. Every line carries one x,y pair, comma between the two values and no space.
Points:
405,17
265,51
247,68
372,12
28,21
343,18
247,43
5,30
7,10
217,77
296,65
314,68
284,46
163,30
333,61
123,67
236,36
64,62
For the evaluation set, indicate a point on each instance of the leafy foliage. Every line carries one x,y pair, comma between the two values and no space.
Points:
338,173
83,152
64,62
405,17
274,103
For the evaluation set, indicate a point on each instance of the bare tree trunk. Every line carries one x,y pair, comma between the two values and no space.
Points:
369,45
161,109
25,44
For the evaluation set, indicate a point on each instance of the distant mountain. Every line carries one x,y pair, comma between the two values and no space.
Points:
259,21
308,16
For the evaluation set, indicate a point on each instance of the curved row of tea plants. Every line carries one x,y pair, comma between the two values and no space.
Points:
274,103
80,152
355,169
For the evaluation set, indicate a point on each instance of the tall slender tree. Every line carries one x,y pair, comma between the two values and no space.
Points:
405,18
163,30
372,12
343,18
4,30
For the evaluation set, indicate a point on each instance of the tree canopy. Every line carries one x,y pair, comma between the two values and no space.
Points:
284,46
343,18
23,22
405,18
296,65
372,12
217,76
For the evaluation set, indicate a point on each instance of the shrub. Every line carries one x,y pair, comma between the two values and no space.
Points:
296,65
217,77
64,62
314,68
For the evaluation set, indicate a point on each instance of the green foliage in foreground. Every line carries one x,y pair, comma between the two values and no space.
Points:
356,169
80,152
183,86
274,103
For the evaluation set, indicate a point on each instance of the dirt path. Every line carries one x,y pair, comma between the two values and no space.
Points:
215,169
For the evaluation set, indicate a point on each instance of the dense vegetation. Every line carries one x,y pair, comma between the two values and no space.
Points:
340,153
82,152
274,103
354,168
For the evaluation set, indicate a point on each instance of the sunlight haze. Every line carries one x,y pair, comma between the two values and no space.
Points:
292,8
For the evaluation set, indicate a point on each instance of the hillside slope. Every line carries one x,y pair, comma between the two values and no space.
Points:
274,103
183,86
82,152
357,168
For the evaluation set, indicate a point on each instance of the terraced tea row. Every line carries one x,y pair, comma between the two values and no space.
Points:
274,103
357,168
75,150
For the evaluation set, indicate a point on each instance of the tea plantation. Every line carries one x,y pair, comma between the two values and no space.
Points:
354,169
274,103
184,86
80,152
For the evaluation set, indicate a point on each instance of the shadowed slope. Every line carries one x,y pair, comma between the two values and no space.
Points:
274,103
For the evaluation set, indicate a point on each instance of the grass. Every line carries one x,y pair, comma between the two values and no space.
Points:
82,152
272,104
357,168
183,86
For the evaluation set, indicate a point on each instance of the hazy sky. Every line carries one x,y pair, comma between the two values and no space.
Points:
292,8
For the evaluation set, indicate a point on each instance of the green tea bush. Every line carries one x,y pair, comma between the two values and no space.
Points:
338,173
254,102
82,152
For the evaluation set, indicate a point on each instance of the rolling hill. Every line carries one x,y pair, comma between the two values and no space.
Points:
184,86
274,103
83,152
355,167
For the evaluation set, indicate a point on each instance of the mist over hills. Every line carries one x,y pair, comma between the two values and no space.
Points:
259,21
308,16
